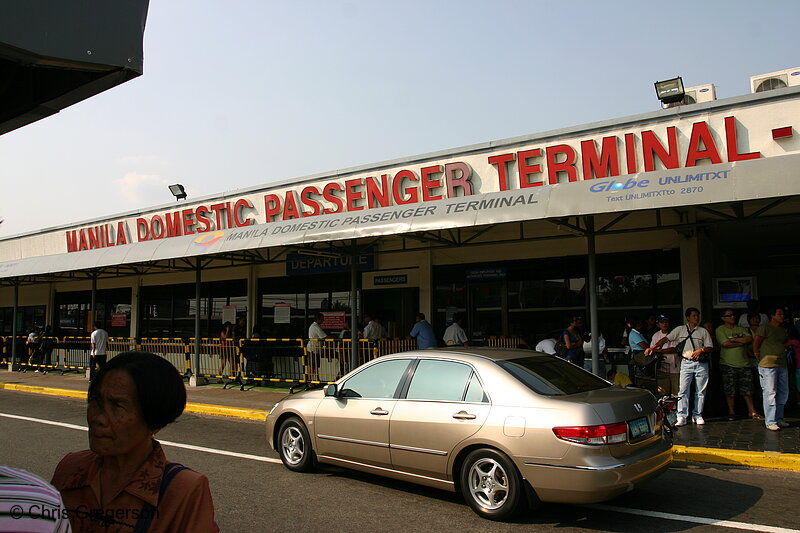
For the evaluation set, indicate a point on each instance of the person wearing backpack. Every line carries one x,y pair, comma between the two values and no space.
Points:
769,347
694,345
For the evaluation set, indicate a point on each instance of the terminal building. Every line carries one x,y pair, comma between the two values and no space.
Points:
691,205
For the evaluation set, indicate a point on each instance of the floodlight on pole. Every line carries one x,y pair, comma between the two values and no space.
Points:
177,191
670,91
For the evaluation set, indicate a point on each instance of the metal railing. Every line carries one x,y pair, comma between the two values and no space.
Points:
250,362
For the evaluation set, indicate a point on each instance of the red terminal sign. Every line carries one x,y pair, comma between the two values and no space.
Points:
614,156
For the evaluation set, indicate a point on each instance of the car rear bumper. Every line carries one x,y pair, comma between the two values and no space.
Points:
592,484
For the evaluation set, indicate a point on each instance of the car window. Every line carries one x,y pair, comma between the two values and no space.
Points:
439,380
552,376
475,392
377,381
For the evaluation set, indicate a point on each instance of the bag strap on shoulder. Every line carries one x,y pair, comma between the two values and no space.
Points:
148,511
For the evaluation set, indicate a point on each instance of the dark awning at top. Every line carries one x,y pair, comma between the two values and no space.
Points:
54,53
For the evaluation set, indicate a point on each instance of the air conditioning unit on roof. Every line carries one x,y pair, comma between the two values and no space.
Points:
775,80
696,95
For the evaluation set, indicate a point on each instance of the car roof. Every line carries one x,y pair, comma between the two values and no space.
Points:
493,354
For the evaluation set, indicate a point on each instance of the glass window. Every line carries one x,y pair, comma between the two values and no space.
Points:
377,381
475,392
552,376
439,380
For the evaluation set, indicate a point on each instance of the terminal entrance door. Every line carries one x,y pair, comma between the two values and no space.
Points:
487,304
395,307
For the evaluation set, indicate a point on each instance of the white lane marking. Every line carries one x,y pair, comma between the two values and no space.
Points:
163,442
601,507
695,519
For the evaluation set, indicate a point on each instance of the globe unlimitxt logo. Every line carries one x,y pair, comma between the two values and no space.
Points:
208,239
616,186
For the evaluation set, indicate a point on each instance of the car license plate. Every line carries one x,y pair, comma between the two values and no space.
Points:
639,427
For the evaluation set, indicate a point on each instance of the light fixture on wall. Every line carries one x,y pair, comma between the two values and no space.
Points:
178,191
670,91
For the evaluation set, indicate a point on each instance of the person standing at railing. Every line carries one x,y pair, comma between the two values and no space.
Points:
226,348
423,332
455,335
314,348
34,343
99,341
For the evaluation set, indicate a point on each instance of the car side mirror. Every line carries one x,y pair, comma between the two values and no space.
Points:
331,390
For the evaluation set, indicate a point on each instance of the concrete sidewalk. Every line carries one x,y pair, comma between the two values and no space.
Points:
743,442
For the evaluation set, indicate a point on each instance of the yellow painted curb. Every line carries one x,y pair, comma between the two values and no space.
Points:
72,393
219,410
775,460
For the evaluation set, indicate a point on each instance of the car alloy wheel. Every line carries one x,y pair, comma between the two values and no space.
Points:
491,484
295,445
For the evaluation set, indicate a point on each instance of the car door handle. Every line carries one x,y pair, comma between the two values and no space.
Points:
378,411
463,415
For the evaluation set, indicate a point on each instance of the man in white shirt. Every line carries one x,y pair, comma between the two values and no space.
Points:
455,335
372,331
315,334
99,342
546,346
694,345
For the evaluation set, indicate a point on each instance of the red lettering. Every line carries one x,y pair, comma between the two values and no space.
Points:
239,208
353,195
94,241
630,152
157,227
108,240
329,193
568,165
290,208
173,223
501,161
429,183
604,165
122,237
408,195
525,170
461,182
272,206
72,241
217,209
229,214
187,216
308,201
701,135
201,218
378,196
733,143
84,245
652,146
142,230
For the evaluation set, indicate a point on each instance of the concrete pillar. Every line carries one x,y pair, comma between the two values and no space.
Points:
691,272
426,285
136,287
252,299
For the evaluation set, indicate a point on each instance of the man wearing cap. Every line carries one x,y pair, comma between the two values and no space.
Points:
669,372
734,363
694,345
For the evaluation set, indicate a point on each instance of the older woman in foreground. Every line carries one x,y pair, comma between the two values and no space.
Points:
124,482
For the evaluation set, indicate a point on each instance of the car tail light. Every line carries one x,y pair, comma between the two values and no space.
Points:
594,435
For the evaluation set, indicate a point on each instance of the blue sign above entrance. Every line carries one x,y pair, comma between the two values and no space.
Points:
486,273
301,264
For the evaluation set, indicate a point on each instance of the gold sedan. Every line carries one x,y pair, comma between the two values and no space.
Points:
504,427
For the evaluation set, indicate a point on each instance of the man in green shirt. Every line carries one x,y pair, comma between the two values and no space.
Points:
769,346
734,363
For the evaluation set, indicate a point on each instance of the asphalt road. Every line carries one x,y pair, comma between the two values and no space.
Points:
253,492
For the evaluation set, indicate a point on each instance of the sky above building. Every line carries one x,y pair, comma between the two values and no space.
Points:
247,93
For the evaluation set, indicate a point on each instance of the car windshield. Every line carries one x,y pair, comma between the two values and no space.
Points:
552,376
